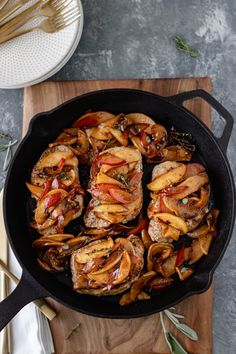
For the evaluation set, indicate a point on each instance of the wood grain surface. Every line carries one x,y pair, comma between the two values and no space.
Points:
142,335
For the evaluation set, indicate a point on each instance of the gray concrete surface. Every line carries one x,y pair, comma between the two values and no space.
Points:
133,39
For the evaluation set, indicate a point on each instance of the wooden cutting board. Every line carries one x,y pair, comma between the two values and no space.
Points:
141,335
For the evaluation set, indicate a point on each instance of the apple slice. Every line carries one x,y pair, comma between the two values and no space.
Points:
99,134
121,196
137,143
111,262
102,179
118,135
110,208
95,249
167,179
191,185
174,221
92,119
112,218
35,190
124,269
109,159
129,154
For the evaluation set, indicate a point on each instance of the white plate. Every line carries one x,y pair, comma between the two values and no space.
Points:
34,57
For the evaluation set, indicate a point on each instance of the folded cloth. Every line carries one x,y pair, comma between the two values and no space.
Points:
30,331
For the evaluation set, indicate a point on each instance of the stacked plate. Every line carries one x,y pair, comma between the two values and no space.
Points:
36,56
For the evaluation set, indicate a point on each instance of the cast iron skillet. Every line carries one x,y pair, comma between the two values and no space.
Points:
44,128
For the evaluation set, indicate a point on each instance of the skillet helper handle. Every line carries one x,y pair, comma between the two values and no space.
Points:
185,96
26,291
40,303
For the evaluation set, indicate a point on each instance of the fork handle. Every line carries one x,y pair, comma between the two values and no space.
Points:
19,20
10,12
4,343
18,34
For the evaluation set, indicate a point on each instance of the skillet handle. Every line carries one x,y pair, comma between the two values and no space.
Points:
26,291
185,96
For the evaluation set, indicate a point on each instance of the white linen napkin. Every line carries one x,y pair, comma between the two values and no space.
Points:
30,331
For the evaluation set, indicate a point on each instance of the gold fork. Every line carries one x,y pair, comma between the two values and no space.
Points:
51,25
18,5
50,8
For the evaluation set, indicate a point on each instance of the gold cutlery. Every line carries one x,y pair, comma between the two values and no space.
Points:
50,8
5,333
3,3
17,6
40,303
50,25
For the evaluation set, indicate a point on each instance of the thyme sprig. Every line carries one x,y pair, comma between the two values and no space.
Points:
182,45
73,329
183,139
7,146
174,345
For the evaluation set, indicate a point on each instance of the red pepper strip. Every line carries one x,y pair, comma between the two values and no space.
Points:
213,233
85,122
51,171
143,224
180,256
46,189
52,200
143,138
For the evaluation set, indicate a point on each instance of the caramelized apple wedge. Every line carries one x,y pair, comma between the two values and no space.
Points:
95,249
110,208
167,179
174,221
35,190
103,178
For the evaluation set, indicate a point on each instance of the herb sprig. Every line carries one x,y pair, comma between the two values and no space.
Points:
73,329
173,343
8,148
182,45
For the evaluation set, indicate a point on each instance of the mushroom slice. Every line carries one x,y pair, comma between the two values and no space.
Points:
147,241
161,251
94,250
159,283
167,179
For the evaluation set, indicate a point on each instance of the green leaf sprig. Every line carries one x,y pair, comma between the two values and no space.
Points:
173,343
182,45
8,148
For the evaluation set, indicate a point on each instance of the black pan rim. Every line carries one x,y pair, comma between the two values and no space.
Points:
181,109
